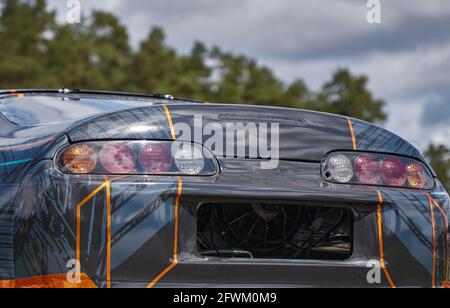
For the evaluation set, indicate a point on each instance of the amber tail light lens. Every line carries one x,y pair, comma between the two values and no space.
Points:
80,159
137,157
377,170
417,175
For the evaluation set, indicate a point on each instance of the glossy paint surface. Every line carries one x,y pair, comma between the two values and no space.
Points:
41,110
141,231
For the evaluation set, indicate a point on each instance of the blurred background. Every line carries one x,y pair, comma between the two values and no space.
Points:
315,54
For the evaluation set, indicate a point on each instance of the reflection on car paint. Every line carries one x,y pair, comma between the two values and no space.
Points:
105,231
140,231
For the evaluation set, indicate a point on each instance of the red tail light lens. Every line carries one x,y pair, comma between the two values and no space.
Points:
367,169
155,158
378,170
118,158
393,171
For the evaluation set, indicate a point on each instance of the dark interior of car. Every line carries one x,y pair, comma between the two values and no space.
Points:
256,230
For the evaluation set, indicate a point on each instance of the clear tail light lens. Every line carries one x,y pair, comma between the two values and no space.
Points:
340,169
377,170
189,159
137,158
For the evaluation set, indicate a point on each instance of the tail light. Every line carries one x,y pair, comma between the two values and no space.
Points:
393,171
377,170
118,158
417,175
189,159
79,158
340,168
155,158
137,158
367,169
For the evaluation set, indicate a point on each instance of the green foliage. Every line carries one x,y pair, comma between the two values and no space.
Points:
241,79
37,52
348,95
24,26
94,55
111,53
439,157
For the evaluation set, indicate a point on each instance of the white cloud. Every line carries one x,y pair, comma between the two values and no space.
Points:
407,57
408,123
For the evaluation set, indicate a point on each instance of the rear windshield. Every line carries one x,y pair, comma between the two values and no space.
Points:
39,110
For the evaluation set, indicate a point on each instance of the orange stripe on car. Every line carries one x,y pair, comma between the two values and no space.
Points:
177,204
444,215
380,240
352,133
108,234
106,185
175,241
169,119
433,227
176,218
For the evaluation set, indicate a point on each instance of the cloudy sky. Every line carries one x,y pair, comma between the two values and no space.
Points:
407,56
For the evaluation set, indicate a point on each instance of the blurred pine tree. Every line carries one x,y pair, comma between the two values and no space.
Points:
37,52
439,157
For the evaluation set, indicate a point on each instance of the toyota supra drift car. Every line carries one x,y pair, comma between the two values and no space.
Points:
101,189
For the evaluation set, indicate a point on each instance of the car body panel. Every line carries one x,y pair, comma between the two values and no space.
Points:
140,231
304,135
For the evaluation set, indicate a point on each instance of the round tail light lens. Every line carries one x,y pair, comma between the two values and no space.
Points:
417,176
118,158
80,159
155,158
189,159
367,169
340,169
393,171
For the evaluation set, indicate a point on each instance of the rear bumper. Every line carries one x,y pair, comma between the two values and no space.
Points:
141,231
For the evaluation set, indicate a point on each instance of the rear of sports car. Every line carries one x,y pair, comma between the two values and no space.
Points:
108,190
